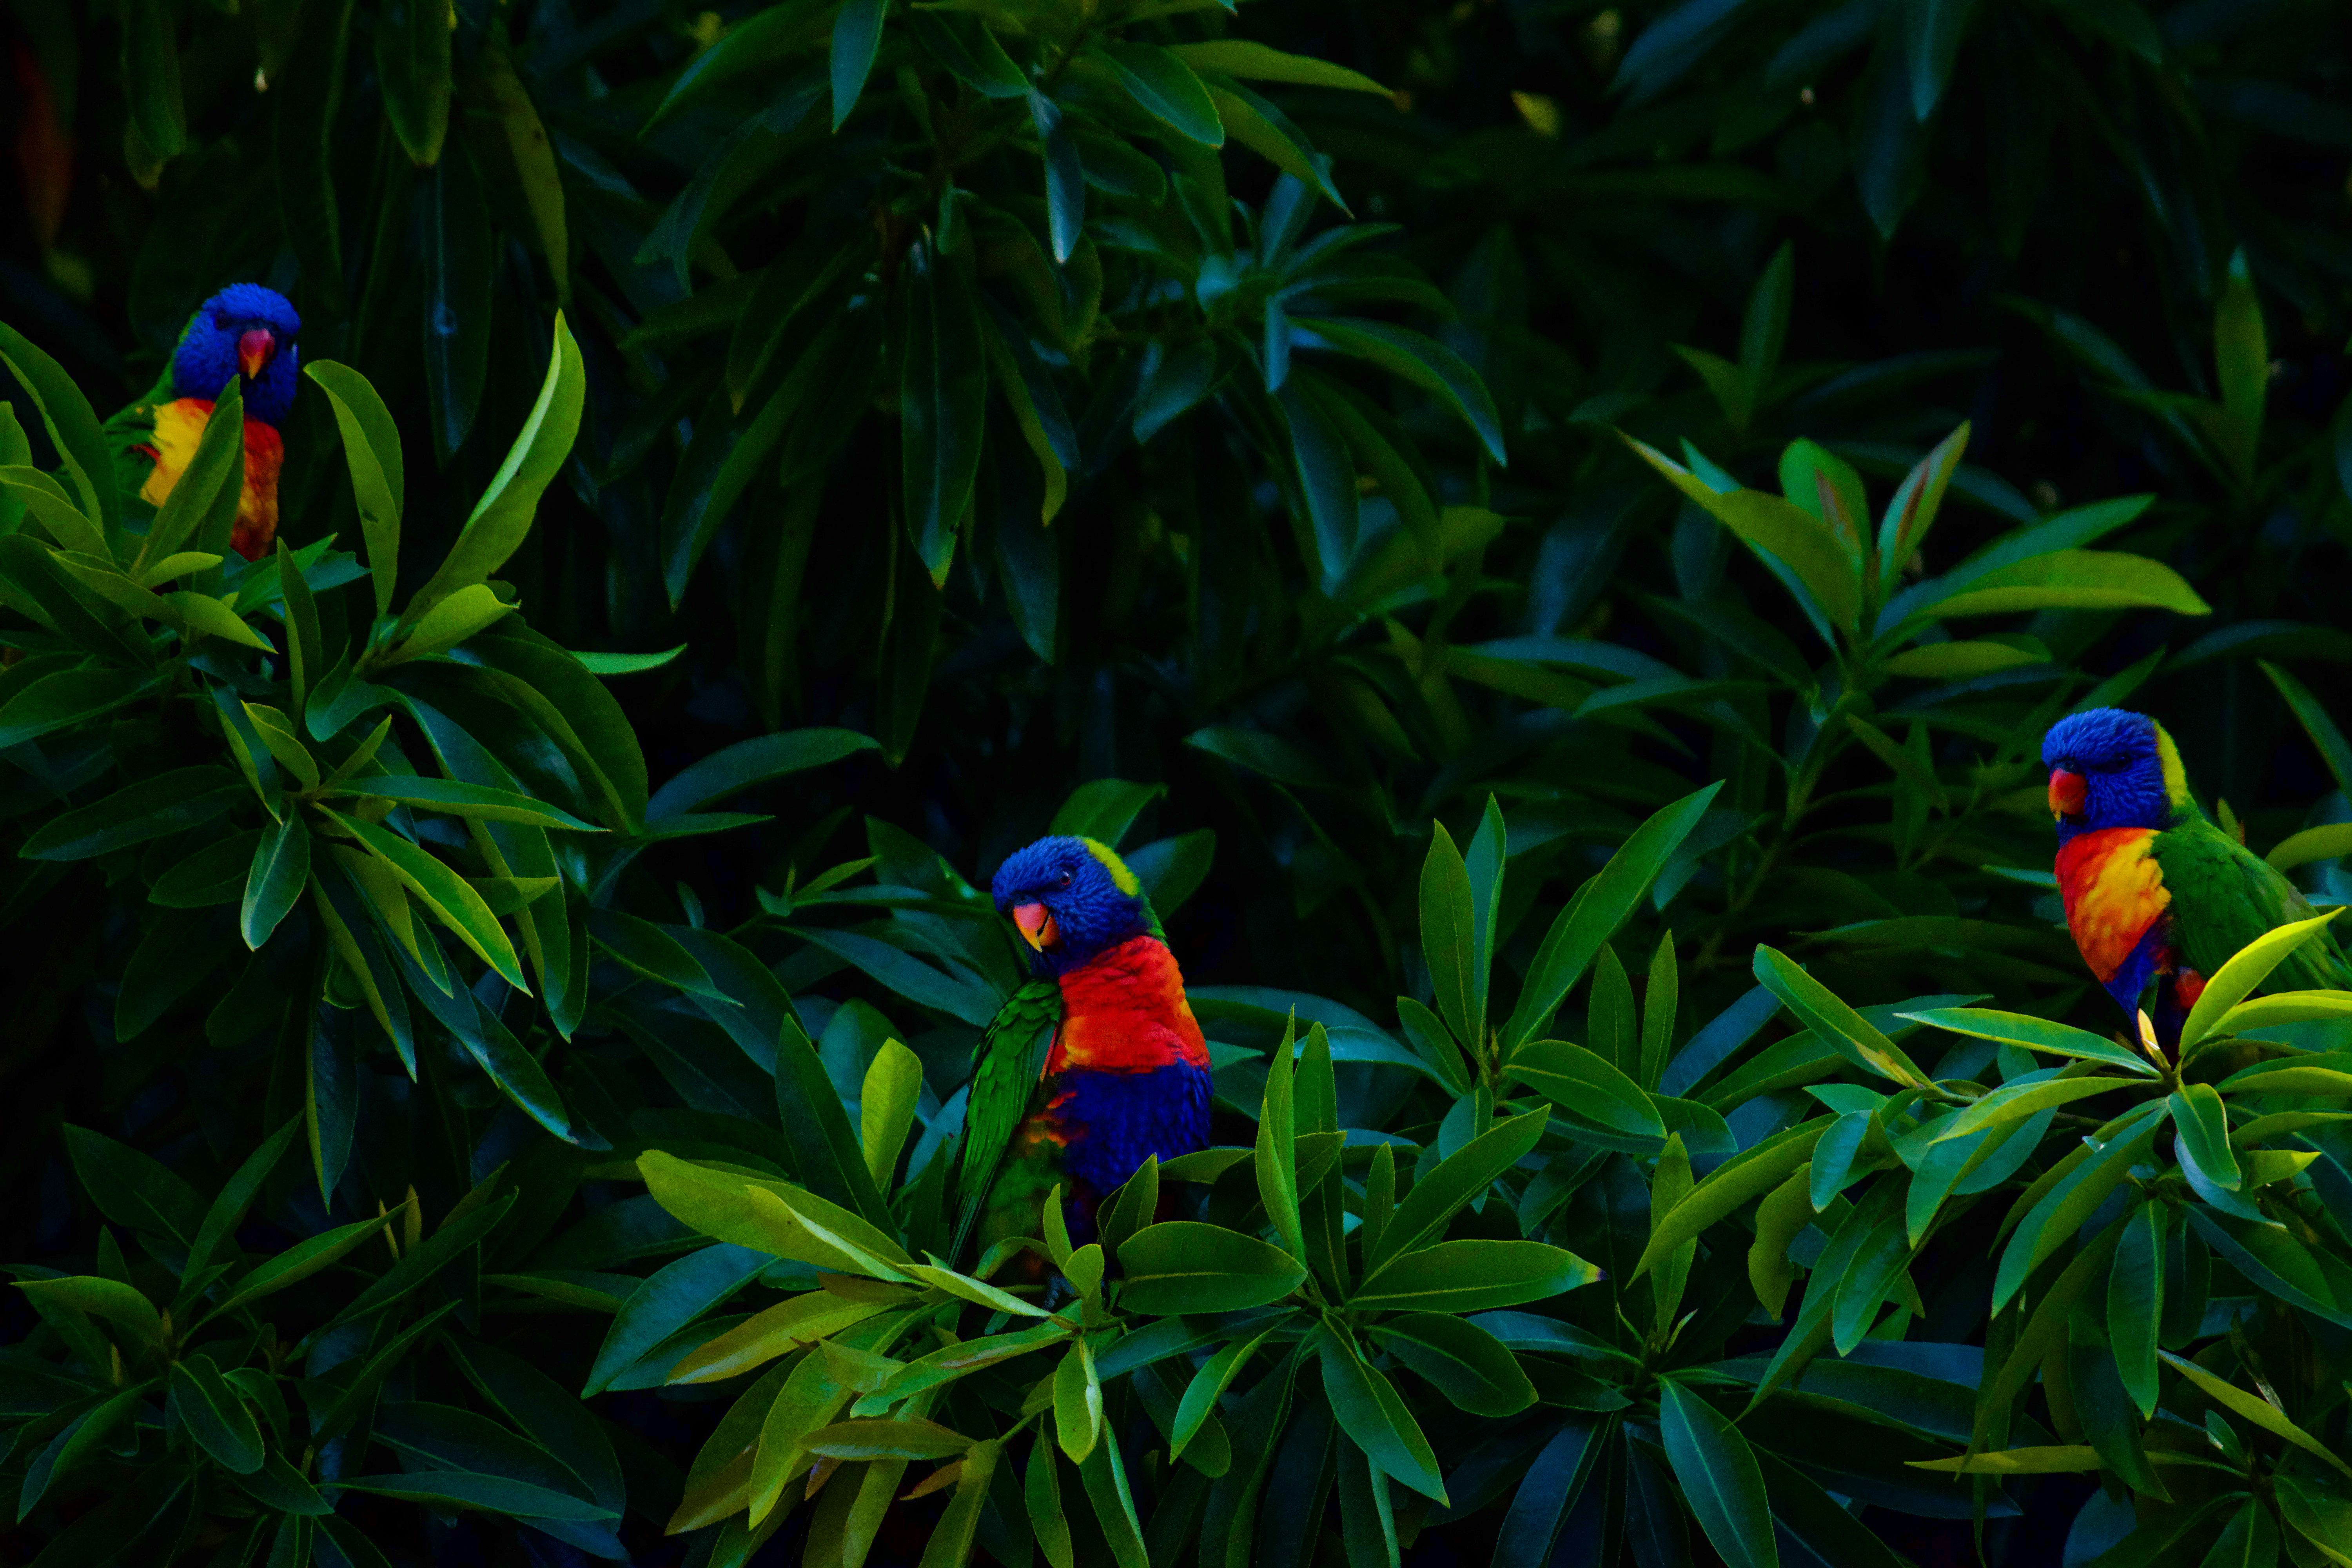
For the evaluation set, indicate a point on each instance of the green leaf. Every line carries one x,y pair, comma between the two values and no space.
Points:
2247,968
2241,360
470,609
1470,1366
450,897
2251,1538
1726,383
534,161
964,45
1750,1173
2033,1035
1438,1195
1959,660
1159,81
1422,361
2254,1408
167,803
942,402
749,763
67,697
1660,999
204,500
1604,904
1208,1386
1374,1416
1912,510
209,1409
412,60
460,259
1065,181
1257,62
1818,481
1448,933
612,663
202,614
77,1442
894,1081
673,1297
297,1263
1078,1403
1764,328
72,427
2135,1302
458,798
280,1486
45,499
2016,1101
372,453
151,68
1472,1276
1276,1155
2074,580
1719,1476
1931,37
448,1490
2329,843
1105,809
102,1298
2055,1459
496,526
424,1260
1580,1082
856,36
226,1212
1771,525
280,871
2282,1007
2202,1137
2334,749
1041,1494
1840,1026
1183,1265
2063,1208
212,875
903,1439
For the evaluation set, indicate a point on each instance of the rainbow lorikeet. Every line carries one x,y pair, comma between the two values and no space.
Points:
2154,891
245,330
1093,1065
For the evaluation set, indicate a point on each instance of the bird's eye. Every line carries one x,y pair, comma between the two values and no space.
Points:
1064,880
220,320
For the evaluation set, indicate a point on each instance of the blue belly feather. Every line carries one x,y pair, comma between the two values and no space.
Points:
1115,1120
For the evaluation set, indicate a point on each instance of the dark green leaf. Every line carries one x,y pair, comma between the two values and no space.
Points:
1181,1266
214,1416
1720,1478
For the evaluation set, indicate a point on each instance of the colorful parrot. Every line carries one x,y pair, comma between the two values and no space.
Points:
1091,1067
244,330
2153,890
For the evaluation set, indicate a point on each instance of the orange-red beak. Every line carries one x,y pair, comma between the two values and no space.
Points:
2066,792
254,349
1036,923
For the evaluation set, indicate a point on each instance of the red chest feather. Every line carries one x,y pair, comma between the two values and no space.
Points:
2114,892
1126,1012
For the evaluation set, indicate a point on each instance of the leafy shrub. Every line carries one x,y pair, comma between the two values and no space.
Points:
939,379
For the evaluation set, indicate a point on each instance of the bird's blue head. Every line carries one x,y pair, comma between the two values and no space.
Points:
2110,768
1071,898
244,330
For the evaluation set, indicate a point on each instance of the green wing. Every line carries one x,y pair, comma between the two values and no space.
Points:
126,430
2224,896
1004,1073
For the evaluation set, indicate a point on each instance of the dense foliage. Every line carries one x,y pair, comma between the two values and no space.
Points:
1551,532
